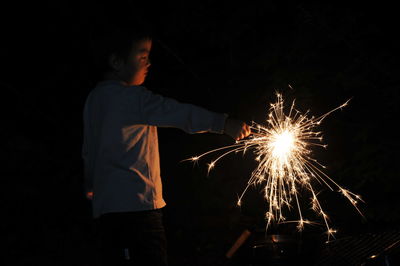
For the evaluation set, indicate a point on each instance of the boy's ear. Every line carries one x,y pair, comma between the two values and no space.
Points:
115,62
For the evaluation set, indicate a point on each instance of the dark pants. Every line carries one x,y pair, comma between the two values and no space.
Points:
133,238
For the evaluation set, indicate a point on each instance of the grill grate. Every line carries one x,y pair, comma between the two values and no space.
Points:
360,250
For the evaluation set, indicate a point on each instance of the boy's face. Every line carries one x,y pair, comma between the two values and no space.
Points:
133,70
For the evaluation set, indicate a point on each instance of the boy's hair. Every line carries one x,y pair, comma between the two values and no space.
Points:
117,39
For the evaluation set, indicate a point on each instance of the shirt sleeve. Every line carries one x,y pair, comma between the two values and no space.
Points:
161,111
88,179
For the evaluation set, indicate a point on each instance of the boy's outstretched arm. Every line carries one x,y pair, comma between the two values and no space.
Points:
236,129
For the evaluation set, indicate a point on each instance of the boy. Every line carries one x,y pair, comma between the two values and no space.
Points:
120,151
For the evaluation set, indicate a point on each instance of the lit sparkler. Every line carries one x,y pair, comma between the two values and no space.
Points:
283,152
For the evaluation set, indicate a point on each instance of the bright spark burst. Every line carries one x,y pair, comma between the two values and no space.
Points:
283,152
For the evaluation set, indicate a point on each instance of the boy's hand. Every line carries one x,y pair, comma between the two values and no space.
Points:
236,129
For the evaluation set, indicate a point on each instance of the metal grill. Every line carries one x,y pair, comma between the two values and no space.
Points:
364,249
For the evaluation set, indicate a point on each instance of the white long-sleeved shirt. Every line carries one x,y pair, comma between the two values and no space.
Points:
120,146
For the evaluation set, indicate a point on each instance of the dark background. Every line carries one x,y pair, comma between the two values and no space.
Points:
227,57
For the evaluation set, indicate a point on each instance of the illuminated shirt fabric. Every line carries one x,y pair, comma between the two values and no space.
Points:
120,145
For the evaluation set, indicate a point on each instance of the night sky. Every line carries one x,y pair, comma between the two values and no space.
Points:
225,57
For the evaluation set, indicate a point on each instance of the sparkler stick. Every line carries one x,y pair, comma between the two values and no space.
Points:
283,151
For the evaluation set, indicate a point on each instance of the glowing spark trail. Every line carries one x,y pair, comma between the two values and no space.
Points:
283,152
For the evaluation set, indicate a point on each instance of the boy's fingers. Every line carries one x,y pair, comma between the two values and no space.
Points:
237,129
